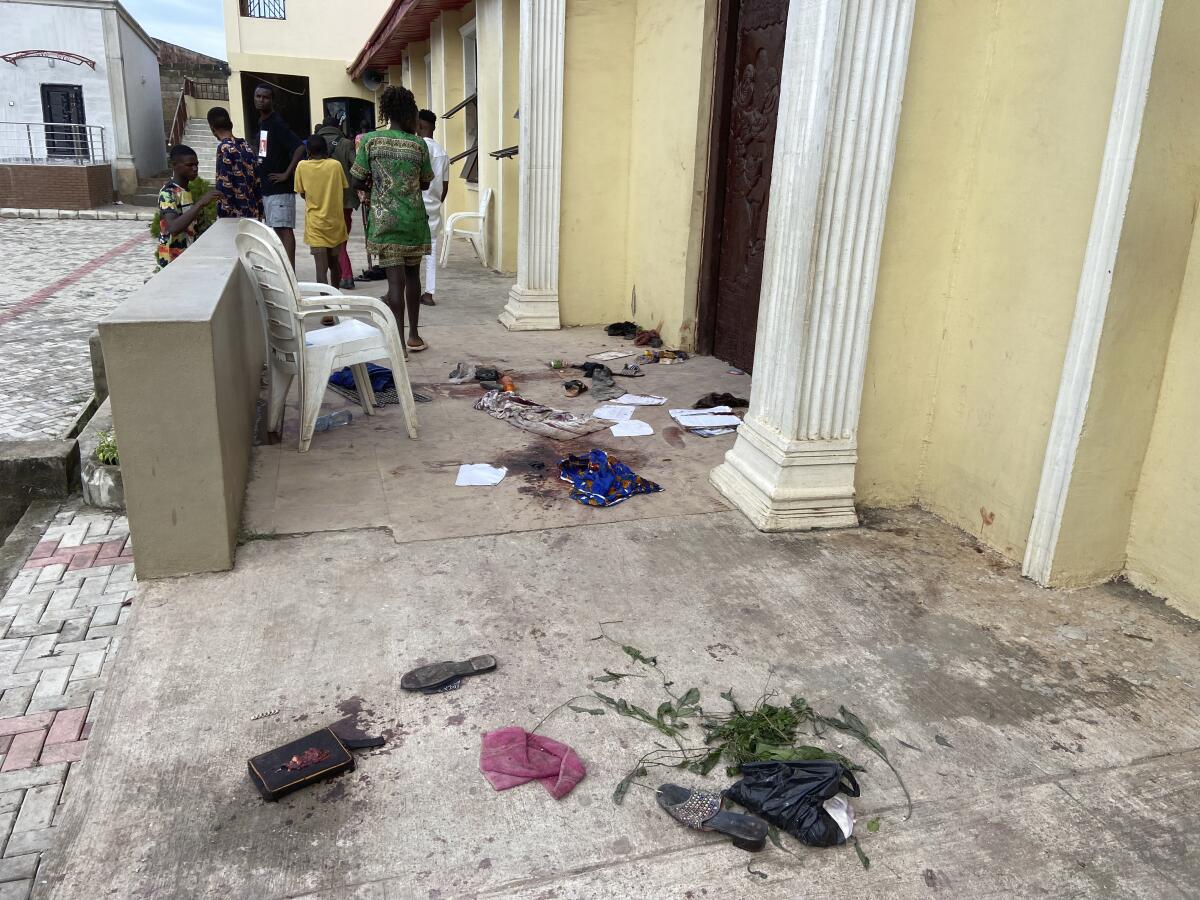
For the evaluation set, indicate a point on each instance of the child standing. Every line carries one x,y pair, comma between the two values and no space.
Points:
320,180
176,211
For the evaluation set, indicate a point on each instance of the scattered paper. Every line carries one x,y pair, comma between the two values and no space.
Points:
632,428
614,413
479,474
641,400
610,354
676,413
709,421
712,432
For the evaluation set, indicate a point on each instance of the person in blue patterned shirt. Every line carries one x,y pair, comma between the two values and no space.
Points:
237,180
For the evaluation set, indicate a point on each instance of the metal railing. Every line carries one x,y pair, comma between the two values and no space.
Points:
264,9
208,90
52,142
180,119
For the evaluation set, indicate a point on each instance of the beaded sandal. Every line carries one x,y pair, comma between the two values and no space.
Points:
702,810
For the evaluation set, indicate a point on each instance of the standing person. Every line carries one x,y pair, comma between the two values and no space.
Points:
435,197
321,182
279,151
341,148
176,211
237,181
397,164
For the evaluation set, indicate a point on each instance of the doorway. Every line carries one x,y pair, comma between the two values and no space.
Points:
291,101
63,113
750,39
355,114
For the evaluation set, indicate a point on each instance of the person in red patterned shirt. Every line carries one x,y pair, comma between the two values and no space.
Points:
237,180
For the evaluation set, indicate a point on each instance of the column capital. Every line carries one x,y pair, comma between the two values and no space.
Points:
792,466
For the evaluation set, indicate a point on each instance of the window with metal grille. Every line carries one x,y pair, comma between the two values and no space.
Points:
264,9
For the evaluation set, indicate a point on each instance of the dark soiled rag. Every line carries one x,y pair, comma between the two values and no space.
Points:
511,756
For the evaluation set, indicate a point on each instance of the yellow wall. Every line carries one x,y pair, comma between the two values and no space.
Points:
498,36
1001,138
636,97
597,85
445,42
1162,555
309,42
1151,261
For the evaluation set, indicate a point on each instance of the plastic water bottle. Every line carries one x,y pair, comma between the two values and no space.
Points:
334,420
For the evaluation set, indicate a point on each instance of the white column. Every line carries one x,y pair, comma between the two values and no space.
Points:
1095,283
125,177
533,300
792,467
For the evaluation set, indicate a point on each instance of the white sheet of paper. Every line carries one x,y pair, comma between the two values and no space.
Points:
479,474
614,413
676,413
610,354
632,428
709,421
641,400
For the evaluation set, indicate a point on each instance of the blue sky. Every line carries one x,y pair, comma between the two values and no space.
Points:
196,24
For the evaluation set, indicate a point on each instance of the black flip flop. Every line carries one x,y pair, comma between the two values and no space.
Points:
436,674
702,810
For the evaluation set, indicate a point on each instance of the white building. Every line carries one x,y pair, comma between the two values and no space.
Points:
79,83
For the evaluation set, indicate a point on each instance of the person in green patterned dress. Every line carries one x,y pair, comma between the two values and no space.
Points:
394,165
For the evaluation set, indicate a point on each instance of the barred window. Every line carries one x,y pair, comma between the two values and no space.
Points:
264,9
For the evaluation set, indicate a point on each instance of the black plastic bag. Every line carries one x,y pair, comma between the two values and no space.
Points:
789,796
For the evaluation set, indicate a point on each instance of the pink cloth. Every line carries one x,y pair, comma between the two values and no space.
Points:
512,756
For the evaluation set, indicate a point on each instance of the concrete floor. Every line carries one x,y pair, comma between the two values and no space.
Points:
369,473
1051,743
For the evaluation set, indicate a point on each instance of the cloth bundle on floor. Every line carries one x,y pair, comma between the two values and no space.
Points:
600,480
511,756
533,417
381,378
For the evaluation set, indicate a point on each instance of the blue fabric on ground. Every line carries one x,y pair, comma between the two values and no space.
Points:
598,480
381,378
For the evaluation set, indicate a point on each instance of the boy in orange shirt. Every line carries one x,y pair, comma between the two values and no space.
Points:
321,181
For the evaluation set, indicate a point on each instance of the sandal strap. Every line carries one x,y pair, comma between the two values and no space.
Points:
697,809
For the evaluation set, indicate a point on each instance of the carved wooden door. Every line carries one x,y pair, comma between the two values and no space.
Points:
750,109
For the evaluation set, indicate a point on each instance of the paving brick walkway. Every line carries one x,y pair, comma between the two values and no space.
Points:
58,280
60,625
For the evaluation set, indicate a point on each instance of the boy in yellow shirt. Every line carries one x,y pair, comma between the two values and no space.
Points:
321,181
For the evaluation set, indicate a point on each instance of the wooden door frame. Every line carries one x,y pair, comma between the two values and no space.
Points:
718,144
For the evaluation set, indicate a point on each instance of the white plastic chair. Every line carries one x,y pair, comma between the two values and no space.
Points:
477,238
366,332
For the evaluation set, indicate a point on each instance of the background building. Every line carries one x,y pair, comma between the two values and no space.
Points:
87,103
303,49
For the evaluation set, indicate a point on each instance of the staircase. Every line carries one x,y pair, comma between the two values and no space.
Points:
199,137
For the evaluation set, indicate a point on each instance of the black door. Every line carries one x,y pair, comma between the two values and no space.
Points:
750,61
62,111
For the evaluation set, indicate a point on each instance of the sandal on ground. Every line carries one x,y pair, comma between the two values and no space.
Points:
437,674
632,370
419,347
574,387
702,810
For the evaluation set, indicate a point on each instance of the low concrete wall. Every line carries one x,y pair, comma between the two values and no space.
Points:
184,358
56,186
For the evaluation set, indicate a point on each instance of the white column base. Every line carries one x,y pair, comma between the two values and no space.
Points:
786,485
530,310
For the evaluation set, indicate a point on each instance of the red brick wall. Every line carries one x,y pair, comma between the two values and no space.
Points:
55,187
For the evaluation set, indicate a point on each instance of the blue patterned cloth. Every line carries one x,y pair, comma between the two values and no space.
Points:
598,480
